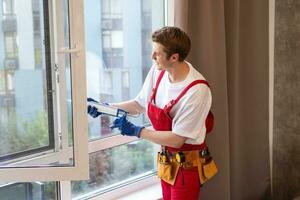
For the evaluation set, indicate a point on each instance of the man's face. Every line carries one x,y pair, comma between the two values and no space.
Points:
159,56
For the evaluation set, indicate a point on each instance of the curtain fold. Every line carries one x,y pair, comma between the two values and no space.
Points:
230,48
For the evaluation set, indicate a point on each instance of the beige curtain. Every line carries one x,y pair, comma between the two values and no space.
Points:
230,48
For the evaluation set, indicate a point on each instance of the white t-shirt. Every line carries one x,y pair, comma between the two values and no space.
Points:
190,112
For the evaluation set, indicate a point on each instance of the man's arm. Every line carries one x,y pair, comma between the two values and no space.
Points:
131,106
165,138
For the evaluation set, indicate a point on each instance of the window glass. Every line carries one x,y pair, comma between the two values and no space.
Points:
123,49
112,8
125,80
107,80
28,191
112,168
2,82
116,39
31,122
106,39
116,6
11,47
24,113
37,100
8,7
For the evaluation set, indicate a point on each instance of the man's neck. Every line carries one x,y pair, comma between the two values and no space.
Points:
178,72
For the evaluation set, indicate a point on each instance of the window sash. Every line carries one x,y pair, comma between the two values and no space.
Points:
107,143
80,148
116,140
11,36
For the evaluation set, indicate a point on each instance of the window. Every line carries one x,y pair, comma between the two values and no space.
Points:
122,56
11,47
117,166
8,7
2,81
41,122
112,8
28,191
108,150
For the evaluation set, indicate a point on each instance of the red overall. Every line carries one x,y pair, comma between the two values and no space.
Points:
189,188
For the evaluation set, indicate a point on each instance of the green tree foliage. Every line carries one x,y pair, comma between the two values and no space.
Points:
117,164
29,135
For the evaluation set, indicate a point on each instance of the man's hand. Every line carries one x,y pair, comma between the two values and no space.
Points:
126,127
92,110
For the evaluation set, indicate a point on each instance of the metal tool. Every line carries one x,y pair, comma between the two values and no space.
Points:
106,109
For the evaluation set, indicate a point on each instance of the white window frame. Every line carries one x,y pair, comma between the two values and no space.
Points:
79,151
170,12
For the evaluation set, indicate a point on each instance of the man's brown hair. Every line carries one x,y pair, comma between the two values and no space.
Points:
174,40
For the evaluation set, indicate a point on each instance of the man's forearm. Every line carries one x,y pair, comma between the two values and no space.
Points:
130,106
165,138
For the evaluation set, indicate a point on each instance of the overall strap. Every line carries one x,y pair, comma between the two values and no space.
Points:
152,97
170,105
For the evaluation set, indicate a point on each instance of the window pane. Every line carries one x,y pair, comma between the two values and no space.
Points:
8,7
11,47
31,119
24,113
116,166
116,39
28,191
122,47
2,81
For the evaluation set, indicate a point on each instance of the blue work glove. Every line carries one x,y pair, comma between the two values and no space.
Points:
92,110
126,127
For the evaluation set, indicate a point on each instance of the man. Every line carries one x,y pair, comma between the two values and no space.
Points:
177,100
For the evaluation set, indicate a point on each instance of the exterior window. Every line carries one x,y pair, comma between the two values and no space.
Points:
107,81
112,40
125,80
116,39
11,47
2,81
8,7
112,8
125,85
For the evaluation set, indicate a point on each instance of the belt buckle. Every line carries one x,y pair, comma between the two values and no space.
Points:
187,165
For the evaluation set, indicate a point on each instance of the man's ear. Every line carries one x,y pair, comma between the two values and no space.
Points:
175,57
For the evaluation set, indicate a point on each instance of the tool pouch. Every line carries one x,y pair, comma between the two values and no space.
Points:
166,170
206,169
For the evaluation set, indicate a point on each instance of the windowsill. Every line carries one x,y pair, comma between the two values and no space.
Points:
152,192
146,189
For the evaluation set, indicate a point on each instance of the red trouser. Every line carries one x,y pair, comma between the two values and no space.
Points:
186,189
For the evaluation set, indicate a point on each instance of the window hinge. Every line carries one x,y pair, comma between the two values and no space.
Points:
60,140
51,91
56,69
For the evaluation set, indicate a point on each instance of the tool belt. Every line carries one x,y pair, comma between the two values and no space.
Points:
169,163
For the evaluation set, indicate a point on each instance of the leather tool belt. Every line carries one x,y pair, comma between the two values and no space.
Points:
168,164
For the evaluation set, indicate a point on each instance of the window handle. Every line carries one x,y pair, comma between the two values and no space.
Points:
66,50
